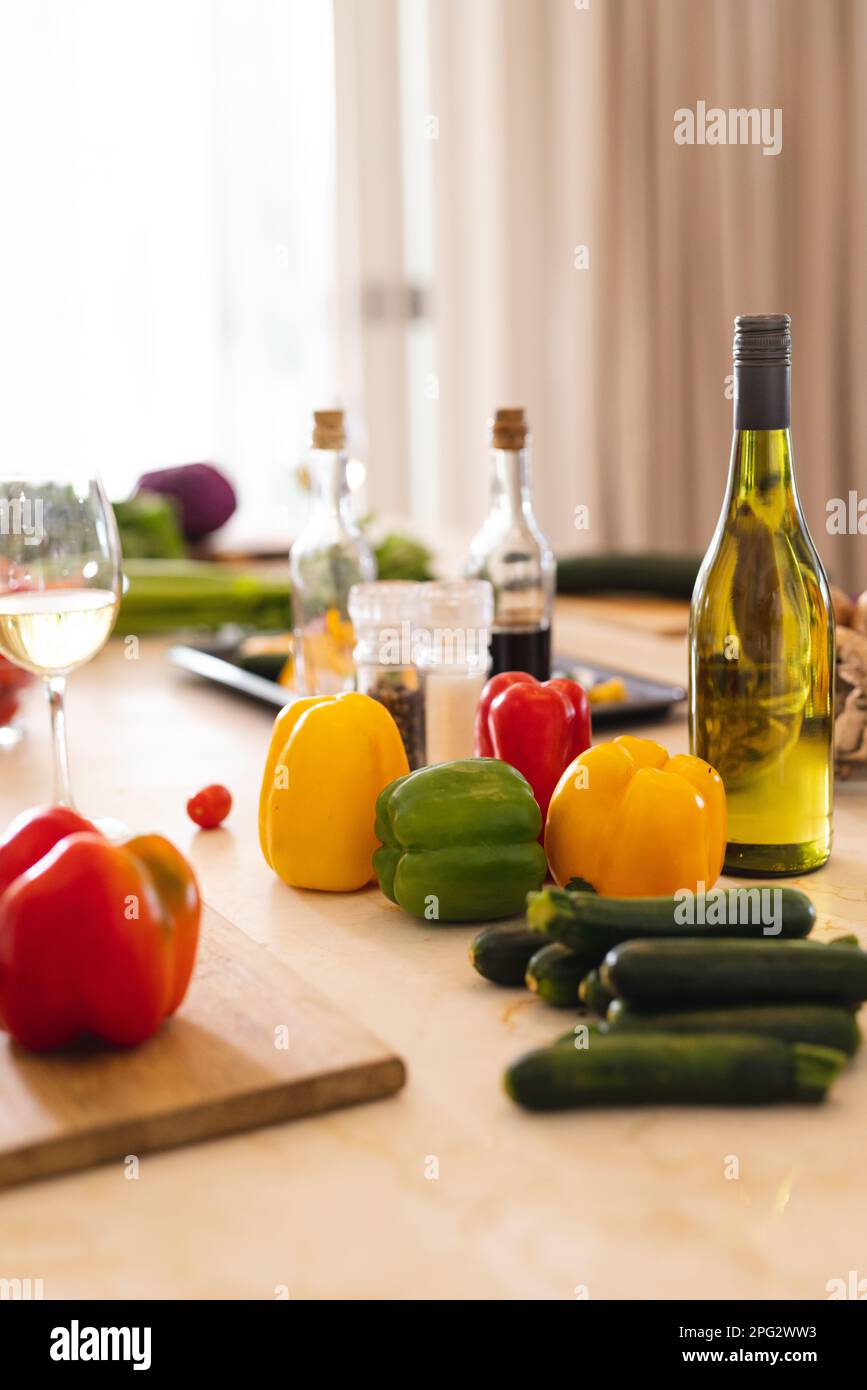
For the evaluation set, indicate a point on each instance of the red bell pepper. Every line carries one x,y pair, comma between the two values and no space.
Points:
537,727
12,681
95,938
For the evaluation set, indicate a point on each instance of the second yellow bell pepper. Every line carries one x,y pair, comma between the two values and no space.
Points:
633,822
330,757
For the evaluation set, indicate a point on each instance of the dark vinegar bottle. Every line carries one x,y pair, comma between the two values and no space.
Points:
511,552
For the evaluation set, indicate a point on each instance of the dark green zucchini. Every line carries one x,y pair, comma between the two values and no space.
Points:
588,1031
265,654
593,994
268,665
672,575
501,953
672,974
850,940
590,923
554,973
826,1025
709,1069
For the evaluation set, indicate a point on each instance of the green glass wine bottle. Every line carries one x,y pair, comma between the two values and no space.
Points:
761,679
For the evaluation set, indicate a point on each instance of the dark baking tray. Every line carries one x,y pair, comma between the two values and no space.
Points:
212,661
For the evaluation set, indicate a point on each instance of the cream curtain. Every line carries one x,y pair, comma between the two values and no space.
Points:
556,130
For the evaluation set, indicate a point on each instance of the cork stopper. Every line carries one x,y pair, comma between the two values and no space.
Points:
509,430
328,429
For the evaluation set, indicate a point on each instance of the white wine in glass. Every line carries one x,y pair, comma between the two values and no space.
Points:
59,586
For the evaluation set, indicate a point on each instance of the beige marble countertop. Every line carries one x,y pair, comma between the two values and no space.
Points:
624,1204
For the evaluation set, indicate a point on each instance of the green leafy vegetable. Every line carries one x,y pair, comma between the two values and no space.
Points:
149,528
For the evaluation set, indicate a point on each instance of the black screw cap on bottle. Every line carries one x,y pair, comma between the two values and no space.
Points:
762,356
763,338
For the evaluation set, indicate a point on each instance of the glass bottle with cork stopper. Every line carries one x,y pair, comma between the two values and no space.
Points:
512,553
327,558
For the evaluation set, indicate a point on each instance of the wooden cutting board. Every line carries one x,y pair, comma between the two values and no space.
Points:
665,617
251,1045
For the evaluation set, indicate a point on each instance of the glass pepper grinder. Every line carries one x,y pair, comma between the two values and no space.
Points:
328,557
384,618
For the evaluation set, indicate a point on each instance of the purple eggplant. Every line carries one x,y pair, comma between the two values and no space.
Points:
205,497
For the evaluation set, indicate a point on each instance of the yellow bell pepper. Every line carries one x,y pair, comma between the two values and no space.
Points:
330,757
633,822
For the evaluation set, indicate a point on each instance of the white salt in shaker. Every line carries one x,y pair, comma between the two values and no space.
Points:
453,655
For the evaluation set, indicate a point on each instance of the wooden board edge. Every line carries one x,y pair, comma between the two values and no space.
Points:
277,1104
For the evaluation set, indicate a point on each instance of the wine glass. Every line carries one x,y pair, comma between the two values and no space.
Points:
59,585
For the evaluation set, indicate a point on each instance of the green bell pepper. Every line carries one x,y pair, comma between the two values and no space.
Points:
460,841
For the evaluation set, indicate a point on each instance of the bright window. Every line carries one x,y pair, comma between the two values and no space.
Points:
167,276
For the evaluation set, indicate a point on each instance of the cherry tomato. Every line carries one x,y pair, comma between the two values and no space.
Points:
210,807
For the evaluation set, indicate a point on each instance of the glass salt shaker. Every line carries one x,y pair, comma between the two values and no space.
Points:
453,653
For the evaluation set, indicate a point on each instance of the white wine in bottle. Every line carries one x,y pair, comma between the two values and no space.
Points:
762,632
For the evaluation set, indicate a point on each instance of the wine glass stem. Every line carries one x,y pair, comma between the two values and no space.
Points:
55,689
